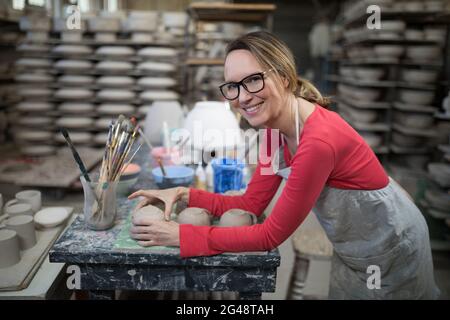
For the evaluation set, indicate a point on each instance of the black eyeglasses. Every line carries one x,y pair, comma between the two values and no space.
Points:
252,83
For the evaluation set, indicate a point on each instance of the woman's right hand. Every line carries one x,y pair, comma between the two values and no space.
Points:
168,196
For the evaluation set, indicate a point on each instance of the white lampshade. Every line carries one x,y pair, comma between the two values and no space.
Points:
158,113
213,126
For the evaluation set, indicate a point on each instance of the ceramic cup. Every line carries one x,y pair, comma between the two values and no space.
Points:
150,212
24,226
237,217
9,248
194,216
32,197
16,208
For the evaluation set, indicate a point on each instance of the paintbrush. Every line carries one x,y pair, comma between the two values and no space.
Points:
145,139
161,166
75,154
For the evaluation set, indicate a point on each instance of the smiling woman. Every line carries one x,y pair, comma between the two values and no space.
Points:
367,216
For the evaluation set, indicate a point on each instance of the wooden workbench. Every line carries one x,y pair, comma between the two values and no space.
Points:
105,267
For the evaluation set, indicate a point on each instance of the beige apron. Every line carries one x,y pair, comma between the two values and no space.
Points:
367,228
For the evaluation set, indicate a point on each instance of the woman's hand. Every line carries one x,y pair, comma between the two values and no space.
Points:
149,232
168,196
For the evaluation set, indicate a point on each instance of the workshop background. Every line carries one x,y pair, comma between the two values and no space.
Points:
162,61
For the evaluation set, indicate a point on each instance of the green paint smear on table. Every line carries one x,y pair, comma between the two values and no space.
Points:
124,241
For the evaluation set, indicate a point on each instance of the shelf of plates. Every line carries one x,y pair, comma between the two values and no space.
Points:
83,79
209,28
10,35
388,80
436,200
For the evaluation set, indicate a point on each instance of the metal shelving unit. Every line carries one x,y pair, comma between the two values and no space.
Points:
391,83
198,69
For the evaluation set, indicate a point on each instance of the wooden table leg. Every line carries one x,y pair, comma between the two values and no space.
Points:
250,295
101,294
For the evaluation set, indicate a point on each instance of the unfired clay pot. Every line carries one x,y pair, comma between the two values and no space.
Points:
194,216
150,212
237,217
9,248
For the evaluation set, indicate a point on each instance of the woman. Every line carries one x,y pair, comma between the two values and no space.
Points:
368,218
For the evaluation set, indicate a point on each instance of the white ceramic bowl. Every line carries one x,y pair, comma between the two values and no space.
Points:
114,66
393,25
142,37
105,37
372,74
414,120
366,94
414,34
100,138
35,121
34,48
107,24
155,95
103,123
115,81
76,137
156,82
121,51
361,115
34,77
156,67
75,122
73,64
175,19
72,49
147,21
31,92
406,141
416,97
423,53
419,76
74,94
389,51
38,150
157,52
75,80
33,63
115,95
71,36
31,106
115,109
34,135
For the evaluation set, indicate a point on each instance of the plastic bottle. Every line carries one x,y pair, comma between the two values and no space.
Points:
245,177
210,177
200,177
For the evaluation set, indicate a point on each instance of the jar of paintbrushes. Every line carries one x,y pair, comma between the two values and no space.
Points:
100,203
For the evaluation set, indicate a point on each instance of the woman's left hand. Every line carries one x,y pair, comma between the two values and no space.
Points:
149,232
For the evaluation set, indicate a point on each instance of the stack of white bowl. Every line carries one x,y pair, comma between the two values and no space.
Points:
32,121
413,114
437,195
173,25
74,93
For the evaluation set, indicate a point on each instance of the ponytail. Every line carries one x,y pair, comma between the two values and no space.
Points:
308,91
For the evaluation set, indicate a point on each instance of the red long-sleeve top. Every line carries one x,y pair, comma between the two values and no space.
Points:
330,152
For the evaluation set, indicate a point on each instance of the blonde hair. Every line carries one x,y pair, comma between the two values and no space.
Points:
272,53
